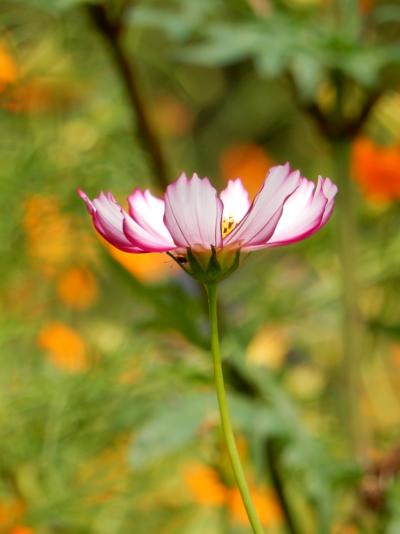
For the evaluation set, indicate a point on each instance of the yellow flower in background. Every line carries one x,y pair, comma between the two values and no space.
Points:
64,346
48,233
269,347
305,381
207,489
247,161
77,288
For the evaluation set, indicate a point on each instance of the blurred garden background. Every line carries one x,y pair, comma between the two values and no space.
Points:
108,417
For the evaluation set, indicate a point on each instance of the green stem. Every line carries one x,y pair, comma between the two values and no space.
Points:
352,338
224,413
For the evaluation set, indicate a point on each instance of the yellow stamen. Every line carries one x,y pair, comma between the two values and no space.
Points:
228,224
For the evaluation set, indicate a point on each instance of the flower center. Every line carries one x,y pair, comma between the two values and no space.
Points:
228,224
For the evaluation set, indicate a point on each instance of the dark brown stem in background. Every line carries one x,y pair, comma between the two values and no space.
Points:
340,130
272,454
377,480
11,479
112,32
334,125
375,483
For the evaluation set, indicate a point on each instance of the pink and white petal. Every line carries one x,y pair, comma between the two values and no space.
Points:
305,211
330,190
259,224
148,212
193,213
108,220
86,200
144,239
235,199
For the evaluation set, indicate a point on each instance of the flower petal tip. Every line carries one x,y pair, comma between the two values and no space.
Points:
89,204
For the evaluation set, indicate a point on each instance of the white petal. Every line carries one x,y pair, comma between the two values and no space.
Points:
148,212
305,211
193,213
144,239
236,201
259,224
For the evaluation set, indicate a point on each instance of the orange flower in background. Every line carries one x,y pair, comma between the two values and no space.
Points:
77,288
265,503
48,232
8,68
172,117
377,169
366,5
11,511
32,95
250,162
145,267
65,347
21,529
205,485
207,489
395,354
38,95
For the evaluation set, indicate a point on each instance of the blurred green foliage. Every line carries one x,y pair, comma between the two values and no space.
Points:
106,387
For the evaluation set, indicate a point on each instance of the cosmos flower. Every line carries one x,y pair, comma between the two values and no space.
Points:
205,231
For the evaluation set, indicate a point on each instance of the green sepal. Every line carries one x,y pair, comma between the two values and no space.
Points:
234,265
196,268
209,269
214,269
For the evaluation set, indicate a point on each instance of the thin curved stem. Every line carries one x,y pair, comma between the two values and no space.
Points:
224,413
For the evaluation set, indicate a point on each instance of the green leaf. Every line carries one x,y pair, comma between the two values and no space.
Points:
223,47
386,14
308,74
173,23
172,427
176,423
